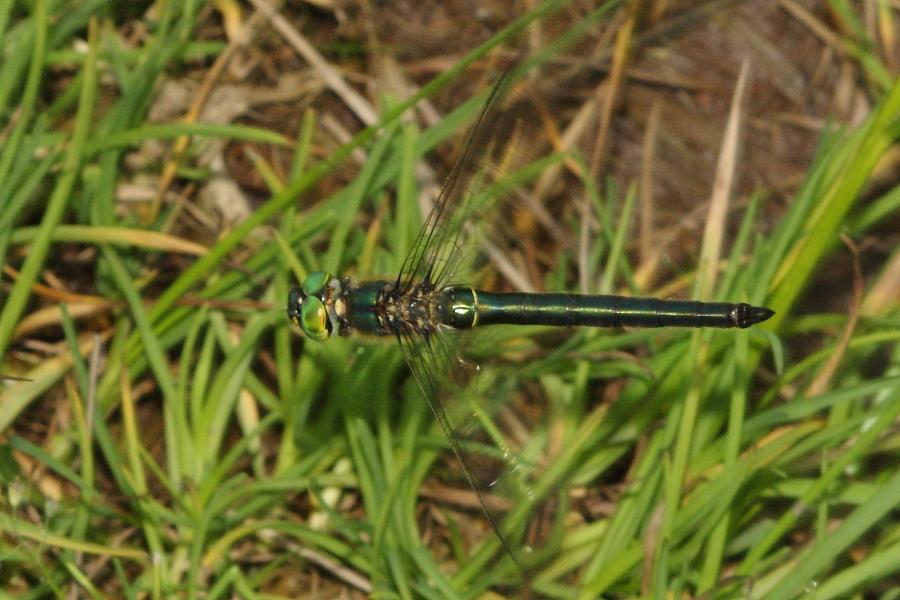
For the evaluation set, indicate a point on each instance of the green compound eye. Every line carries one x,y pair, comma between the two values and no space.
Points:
315,283
314,319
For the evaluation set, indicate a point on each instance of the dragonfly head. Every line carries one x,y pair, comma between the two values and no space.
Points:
310,306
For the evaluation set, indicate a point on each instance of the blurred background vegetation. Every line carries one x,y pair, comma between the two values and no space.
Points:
169,169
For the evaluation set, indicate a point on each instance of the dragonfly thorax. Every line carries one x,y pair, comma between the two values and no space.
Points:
381,308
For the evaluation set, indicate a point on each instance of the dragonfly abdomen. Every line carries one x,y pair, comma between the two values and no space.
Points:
463,308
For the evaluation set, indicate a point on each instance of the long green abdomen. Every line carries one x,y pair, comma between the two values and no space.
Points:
466,307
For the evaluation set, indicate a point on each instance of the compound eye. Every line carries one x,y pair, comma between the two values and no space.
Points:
315,283
314,319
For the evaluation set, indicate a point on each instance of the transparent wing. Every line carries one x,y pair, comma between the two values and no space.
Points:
432,360
500,156
445,252
432,256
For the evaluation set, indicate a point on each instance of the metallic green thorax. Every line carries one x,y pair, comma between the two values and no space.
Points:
366,308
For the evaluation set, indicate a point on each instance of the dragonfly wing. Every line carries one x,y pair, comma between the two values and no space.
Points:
431,358
501,154
433,249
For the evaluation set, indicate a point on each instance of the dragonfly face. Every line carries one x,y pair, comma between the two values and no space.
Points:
310,306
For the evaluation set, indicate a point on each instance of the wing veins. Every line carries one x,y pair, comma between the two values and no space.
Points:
428,240
415,350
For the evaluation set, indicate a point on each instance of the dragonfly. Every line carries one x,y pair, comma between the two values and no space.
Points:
425,306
